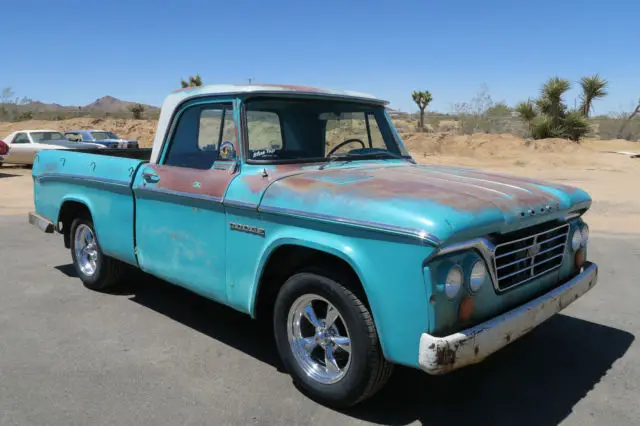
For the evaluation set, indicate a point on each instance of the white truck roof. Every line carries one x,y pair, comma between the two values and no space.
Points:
180,95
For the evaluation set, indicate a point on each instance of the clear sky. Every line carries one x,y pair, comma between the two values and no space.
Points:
72,52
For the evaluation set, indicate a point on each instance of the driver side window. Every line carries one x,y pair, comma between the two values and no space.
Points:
197,137
358,125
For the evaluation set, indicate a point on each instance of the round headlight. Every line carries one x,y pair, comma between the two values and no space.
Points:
585,235
576,240
454,282
478,275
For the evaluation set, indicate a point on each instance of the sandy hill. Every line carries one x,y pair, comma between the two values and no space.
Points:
105,104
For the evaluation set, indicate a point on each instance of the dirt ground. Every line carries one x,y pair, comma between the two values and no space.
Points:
609,178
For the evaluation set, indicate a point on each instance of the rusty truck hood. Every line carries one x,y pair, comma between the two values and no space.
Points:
445,203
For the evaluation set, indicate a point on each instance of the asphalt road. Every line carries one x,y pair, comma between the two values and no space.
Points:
156,354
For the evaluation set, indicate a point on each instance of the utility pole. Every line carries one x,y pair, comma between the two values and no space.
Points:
250,79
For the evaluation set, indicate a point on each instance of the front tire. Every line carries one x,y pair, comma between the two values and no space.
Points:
327,340
96,270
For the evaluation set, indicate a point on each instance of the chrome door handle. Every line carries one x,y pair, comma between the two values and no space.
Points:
150,176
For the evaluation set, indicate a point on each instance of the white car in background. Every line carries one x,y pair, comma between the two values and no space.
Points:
25,144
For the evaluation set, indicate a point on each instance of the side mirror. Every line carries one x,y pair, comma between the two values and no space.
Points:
227,151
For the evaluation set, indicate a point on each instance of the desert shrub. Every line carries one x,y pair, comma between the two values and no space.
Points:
192,81
483,115
609,128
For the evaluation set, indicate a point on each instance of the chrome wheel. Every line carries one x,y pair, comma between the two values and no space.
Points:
319,338
86,249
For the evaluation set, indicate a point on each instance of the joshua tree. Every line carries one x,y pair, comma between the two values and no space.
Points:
137,110
593,87
193,81
549,117
628,120
422,99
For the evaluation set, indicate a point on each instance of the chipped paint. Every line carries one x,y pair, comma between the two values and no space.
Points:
209,183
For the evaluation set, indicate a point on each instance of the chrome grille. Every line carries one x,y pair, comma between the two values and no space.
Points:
524,259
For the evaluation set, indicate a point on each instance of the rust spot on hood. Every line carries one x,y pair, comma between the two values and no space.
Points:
258,183
462,190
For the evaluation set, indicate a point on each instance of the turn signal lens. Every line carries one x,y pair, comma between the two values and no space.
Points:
466,309
579,258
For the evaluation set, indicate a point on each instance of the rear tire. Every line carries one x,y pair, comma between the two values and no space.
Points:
338,365
96,270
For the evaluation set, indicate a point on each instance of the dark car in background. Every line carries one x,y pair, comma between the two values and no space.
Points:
102,137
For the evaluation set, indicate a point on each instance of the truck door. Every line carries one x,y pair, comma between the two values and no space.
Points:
180,220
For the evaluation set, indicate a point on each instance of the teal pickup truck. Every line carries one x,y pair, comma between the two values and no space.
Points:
302,207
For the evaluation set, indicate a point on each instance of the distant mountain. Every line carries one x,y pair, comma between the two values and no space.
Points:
105,104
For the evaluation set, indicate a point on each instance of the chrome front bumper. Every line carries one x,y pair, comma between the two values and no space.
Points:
439,355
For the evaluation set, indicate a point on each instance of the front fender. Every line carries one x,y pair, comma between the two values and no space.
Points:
341,251
389,268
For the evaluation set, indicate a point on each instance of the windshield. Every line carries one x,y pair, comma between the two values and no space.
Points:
100,136
40,137
316,130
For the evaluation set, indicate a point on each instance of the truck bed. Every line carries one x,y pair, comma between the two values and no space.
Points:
100,180
135,153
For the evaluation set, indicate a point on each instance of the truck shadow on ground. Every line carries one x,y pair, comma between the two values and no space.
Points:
8,175
537,380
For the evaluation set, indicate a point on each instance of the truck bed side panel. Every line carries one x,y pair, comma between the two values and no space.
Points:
101,183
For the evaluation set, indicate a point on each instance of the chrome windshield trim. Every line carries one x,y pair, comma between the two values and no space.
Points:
397,230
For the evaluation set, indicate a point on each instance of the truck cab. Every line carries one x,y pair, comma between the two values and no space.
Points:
302,207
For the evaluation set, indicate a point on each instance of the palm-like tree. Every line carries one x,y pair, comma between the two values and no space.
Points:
593,87
550,101
549,117
194,81
422,99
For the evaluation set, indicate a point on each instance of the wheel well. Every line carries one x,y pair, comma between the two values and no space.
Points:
70,210
286,260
